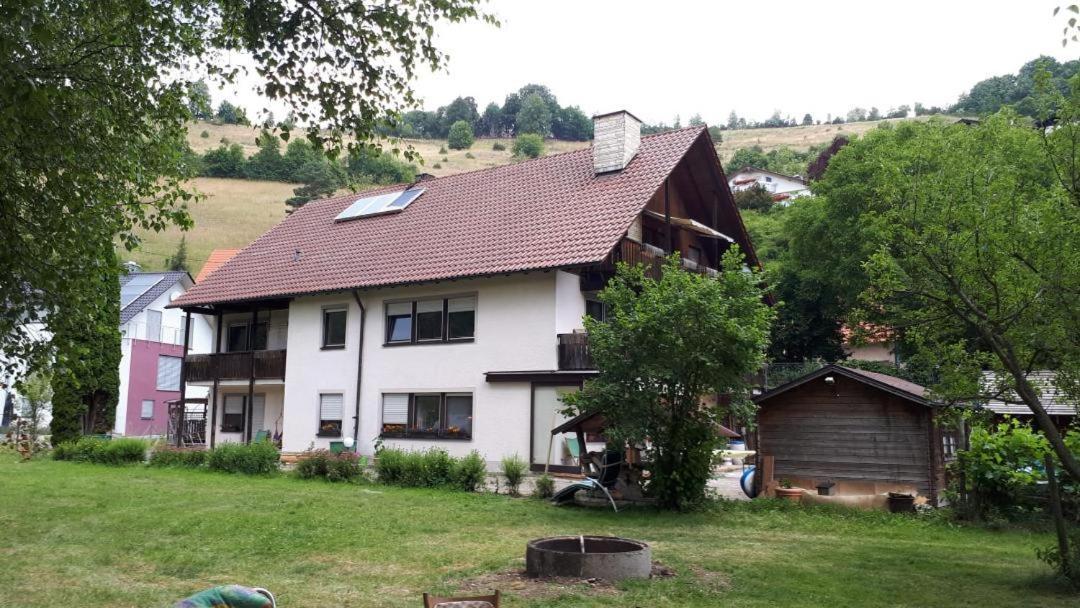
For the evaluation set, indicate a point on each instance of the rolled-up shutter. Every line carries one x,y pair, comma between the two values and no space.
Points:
395,408
331,406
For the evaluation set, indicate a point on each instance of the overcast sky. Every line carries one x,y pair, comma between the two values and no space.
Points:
666,57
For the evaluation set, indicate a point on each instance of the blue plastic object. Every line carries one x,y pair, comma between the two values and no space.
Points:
747,482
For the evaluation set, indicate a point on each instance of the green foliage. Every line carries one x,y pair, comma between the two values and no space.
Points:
231,114
171,457
999,472
514,469
571,124
461,136
1069,567
545,486
755,198
323,464
1016,90
205,134
442,149
782,160
227,160
433,468
469,155
258,458
198,101
534,116
666,343
267,163
766,229
86,376
179,260
99,451
528,145
498,147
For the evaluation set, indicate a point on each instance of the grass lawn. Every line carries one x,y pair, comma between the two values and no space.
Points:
89,535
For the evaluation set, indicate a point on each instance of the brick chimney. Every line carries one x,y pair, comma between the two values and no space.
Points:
616,137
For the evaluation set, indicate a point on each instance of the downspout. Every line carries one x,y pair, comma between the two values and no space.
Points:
359,371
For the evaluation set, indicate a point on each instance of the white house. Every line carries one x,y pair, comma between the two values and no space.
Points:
783,187
152,339
449,312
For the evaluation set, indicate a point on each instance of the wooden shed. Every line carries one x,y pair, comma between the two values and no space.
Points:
866,432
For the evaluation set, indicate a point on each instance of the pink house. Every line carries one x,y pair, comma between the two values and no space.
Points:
152,350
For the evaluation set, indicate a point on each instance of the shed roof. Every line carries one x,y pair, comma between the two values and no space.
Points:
1053,399
890,384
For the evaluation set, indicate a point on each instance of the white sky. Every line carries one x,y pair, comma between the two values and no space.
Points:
662,58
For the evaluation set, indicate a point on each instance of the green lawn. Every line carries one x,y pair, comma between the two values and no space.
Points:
89,535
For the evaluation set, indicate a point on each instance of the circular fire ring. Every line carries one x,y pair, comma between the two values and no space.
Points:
605,557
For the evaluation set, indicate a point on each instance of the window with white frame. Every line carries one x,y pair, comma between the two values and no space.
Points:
334,323
331,410
168,373
153,325
232,415
147,412
432,415
431,320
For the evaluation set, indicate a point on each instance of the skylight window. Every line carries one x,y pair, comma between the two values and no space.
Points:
392,202
137,286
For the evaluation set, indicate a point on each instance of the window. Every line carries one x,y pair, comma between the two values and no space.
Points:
439,415
333,334
168,373
595,309
399,322
238,337
331,406
431,320
949,445
232,417
768,179
147,409
153,325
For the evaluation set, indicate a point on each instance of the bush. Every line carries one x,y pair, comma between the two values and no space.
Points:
528,145
461,136
999,470
545,486
514,469
498,146
436,166
469,155
442,149
205,134
260,458
224,161
324,464
100,451
433,468
172,457
470,472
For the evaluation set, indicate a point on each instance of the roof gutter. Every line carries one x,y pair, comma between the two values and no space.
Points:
359,370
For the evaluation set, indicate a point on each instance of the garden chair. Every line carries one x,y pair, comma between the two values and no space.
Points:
476,601
261,436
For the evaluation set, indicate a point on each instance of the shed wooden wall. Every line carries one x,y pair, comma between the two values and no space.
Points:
849,432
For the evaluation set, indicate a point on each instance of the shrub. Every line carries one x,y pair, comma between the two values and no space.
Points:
433,468
498,146
999,471
470,472
99,451
260,458
514,469
436,166
445,159
469,155
324,464
172,457
528,145
442,150
205,134
224,161
545,486
461,136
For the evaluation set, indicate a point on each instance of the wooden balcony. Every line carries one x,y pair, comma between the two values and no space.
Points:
574,352
244,365
632,252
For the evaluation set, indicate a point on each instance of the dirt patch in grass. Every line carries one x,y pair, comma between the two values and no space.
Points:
515,582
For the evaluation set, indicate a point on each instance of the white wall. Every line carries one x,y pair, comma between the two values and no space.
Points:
515,331
569,303
275,400
772,183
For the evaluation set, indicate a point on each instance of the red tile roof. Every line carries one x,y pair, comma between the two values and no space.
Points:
217,259
546,213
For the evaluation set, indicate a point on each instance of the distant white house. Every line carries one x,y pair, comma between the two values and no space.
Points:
783,187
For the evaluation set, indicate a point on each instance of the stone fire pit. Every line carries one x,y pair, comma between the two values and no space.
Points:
605,557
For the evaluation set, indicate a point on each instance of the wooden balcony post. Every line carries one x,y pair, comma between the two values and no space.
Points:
251,375
214,391
183,380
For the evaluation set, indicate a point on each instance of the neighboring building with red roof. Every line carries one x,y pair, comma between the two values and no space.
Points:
217,259
449,312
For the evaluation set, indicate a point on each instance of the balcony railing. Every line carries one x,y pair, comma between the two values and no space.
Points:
633,253
244,365
574,352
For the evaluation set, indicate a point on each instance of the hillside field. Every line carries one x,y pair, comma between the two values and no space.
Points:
235,212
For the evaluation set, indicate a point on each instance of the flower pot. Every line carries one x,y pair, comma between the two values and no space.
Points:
792,494
901,503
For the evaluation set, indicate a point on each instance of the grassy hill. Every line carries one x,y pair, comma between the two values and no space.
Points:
235,212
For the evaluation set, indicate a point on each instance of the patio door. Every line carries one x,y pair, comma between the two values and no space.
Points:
545,416
258,413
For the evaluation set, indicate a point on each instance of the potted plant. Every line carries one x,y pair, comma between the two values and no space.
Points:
787,492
